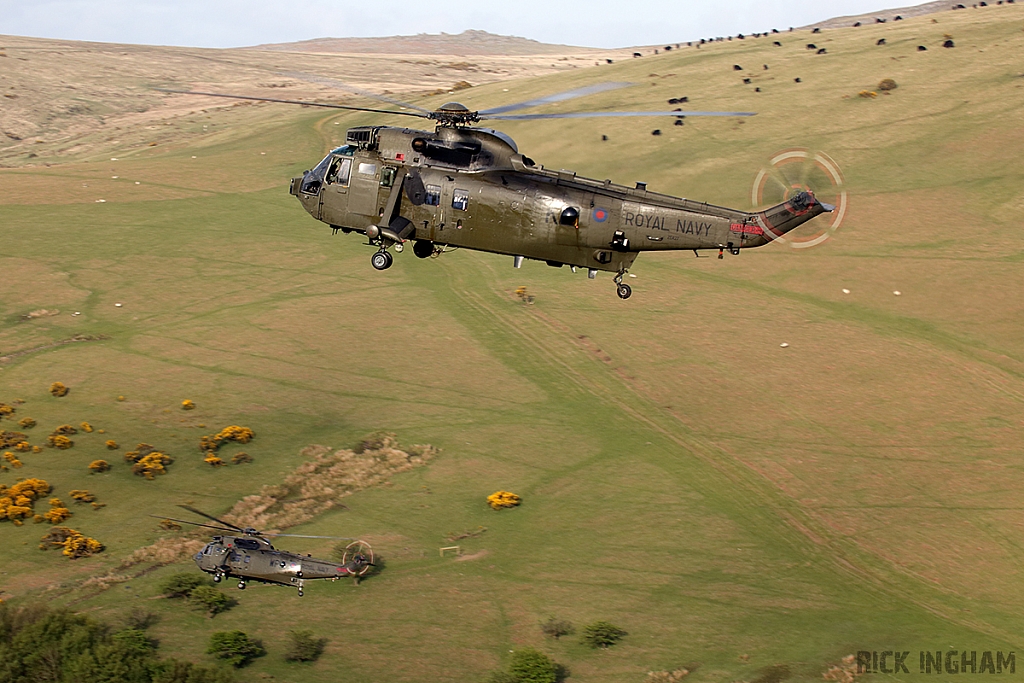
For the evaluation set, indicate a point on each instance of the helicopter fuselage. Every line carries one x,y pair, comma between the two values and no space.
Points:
253,558
471,188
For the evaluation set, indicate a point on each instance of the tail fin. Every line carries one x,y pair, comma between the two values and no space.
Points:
791,214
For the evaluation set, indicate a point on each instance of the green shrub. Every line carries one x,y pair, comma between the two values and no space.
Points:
210,600
602,634
237,648
556,628
532,666
304,646
180,585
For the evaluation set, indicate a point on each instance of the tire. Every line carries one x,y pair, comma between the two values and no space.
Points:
381,260
423,248
623,291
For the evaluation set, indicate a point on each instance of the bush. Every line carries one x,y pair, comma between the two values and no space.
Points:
111,445
86,427
6,410
239,458
26,423
99,466
140,619
58,389
602,634
887,84
304,646
187,405
59,441
149,466
503,499
210,600
556,628
180,585
532,666
235,647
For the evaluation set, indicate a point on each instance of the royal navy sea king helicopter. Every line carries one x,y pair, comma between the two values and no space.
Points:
461,186
247,555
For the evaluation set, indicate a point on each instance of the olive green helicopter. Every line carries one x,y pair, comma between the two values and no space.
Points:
461,186
246,555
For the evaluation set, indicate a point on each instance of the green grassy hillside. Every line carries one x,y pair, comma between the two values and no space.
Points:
728,502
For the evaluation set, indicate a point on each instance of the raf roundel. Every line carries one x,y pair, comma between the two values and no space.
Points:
600,215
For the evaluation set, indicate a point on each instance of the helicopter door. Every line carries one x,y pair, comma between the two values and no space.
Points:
362,196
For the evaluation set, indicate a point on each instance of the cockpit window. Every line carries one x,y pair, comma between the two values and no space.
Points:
314,180
367,169
433,195
339,172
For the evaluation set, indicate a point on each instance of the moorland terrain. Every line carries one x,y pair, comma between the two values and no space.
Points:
738,507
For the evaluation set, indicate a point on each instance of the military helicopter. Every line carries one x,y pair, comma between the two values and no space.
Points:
246,555
460,186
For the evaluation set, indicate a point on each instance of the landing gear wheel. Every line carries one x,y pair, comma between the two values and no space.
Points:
300,592
217,577
623,291
358,549
382,260
423,248
241,585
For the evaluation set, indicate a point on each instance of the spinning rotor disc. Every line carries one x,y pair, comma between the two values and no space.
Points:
358,548
792,171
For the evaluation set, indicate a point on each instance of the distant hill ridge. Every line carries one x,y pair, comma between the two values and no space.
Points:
890,14
471,42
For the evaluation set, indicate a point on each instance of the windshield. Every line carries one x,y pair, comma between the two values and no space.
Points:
313,180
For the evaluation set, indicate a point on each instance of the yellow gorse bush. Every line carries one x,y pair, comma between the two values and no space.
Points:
65,430
16,500
212,459
74,543
99,466
503,499
86,427
187,405
82,496
150,465
230,433
57,512
6,410
111,445
26,423
59,441
10,439
58,389
13,459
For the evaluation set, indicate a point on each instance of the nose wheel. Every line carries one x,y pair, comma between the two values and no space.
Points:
382,260
241,585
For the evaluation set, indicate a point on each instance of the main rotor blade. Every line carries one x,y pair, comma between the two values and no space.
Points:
311,104
559,97
185,521
203,514
335,538
602,114
323,80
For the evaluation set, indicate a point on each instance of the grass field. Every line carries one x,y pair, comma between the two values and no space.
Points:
728,502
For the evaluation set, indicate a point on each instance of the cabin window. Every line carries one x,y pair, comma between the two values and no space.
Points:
367,169
433,195
340,171
460,200
387,176
570,216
